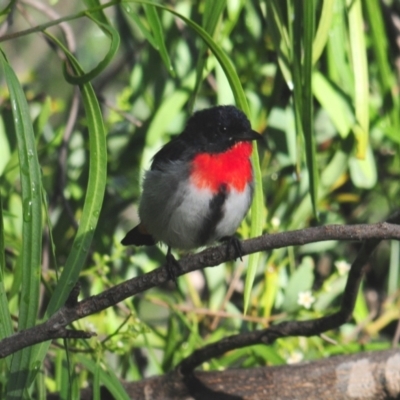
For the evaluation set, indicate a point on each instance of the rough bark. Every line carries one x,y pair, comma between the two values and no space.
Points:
362,376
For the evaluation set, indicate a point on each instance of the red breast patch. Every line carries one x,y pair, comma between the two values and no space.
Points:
233,168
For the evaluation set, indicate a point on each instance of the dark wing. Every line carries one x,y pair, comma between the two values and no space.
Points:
138,237
176,149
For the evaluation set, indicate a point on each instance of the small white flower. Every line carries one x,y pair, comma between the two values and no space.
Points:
89,326
295,357
306,299
275,222
343,267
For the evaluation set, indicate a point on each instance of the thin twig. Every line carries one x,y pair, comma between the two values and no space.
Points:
54,327
219,314
228,295
53,15
42,27
126,115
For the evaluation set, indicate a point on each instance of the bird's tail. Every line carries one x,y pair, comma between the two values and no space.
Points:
138,236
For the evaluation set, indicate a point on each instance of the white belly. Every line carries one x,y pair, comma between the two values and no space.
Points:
175,212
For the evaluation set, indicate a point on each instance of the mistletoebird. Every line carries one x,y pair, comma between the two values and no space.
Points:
200,184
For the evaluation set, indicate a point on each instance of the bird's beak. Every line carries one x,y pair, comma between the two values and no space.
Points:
250,135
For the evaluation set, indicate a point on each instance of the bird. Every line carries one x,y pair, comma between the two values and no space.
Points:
200,185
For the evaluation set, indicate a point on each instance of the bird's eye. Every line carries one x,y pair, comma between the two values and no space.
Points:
222,128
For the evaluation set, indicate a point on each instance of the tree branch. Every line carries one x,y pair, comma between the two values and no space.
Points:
361,376
54,327
289,328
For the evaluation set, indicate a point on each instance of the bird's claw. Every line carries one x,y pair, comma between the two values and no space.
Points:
233,241
172,266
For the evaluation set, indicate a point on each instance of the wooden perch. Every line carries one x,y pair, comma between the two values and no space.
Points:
362,376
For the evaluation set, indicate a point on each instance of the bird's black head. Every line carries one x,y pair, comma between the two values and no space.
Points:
216,129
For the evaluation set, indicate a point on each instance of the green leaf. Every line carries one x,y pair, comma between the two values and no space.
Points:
222,58
335,104
112,33
332,172
166,111
360,71
323,30
307,100
96,11
43,117
280,38
94,193
107,378
135,17
257,223
339,70
223,89
63,375
331,292
6,328
271,283
303,27
212,12
269,354
30,261
158,34
7,9
393,279
93,200
361,312
381,47
363,172
300,281
96,379
5,152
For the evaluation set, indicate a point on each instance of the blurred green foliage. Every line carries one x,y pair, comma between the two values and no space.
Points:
319,80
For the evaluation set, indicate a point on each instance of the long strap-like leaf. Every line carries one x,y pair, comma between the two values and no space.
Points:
30,261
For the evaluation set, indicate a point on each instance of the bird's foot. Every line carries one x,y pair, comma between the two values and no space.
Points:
234,242
173,267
